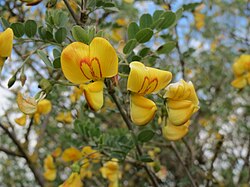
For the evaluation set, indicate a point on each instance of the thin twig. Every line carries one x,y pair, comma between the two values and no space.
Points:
217,150
28,130
72,12
183,164
31,165
9,152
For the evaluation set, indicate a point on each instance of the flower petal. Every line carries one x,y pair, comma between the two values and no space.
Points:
145,80
239,82
71,59
103,57
6,42
27,105
71,154
21,120
50,174
73,181
44,106
172,132
142,110
94,94
180,111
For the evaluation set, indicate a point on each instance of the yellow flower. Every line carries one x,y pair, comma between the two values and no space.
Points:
21,120
73,181
144,80
90,153
43,107
182,102
199,20
85,171
6,44
77,92
110,171
71,154
50,168
173,132
57,152
83,63
64,117
241,70
27,105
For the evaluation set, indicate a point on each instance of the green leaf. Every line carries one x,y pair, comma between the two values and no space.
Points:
30,28
145,158
42,32
49,36
179,13
144,35
145,135
78,127
56,53
61,18
44,58
18,29
5,23
166,48
79,34
129,46
157,14
60,34
91,33
57,62
133,28
146,21
144,51
169,19
190,6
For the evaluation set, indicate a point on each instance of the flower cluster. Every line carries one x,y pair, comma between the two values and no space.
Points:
88,65
111,171
182,103
241,70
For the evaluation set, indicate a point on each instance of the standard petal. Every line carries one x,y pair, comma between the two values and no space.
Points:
72,58
145,80
103,57
94,94
180,111
239,82
142,110
172,132
6,42
27,105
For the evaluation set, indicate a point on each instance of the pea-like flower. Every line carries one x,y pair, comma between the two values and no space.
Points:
182,103
144,80
49,168
111,171
73,181
241,70
6,44
92,63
